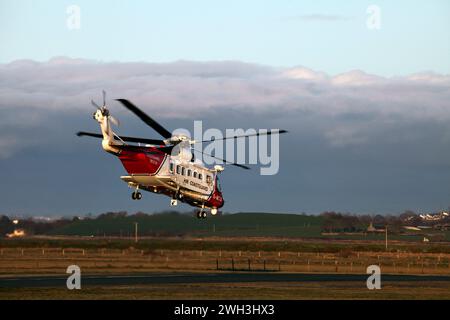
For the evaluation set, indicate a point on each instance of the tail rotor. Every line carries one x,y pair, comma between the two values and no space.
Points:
104,110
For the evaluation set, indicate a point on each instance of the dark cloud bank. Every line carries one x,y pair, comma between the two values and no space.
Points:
357,142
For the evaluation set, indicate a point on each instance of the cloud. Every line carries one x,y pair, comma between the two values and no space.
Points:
356,141
349,108
8,146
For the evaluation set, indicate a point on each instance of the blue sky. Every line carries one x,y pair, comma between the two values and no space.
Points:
329,36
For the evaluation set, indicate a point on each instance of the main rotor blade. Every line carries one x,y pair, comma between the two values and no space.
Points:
146,118
128,139
225,161
166,149
247,135
104,97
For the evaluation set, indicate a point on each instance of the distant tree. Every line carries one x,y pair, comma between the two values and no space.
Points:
394,223
113,215
365,220
408,216
351,223
168,212
140,214
379,220
6,225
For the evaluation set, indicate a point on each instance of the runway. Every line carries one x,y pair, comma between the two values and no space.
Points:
180,278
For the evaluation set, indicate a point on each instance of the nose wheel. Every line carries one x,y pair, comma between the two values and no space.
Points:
136,195
201,214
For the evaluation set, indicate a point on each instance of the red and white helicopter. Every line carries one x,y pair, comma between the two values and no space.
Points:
166,166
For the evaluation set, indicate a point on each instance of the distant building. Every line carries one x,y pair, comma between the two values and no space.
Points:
18,233
434,216
372,229
412,228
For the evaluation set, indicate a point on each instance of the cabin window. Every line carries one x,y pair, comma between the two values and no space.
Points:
200,176
171,167
195,174
178,169
189,172
183,171
208,179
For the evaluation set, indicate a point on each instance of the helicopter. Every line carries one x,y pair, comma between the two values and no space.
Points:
164,166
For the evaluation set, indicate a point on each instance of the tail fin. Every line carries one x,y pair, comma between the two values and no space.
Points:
109,144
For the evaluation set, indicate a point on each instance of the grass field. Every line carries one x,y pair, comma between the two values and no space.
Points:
41,256
241,224
239,291
228,225
56,260
226,244
50,255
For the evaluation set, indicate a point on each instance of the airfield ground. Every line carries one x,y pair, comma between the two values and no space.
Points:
268,259
237,291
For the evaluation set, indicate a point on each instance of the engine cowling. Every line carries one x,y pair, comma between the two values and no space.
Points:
182,151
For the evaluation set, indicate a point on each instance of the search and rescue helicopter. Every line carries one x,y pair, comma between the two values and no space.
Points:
165,166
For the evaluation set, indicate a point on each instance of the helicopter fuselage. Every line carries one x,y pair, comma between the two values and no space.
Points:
152,170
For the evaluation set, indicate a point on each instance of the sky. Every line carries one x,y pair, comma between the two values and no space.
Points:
323,35
367,109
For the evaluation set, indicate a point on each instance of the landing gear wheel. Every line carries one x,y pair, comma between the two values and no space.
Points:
136,195
201,214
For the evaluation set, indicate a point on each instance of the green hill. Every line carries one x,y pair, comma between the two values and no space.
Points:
170,224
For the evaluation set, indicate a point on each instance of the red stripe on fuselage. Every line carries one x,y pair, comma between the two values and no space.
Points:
145,160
